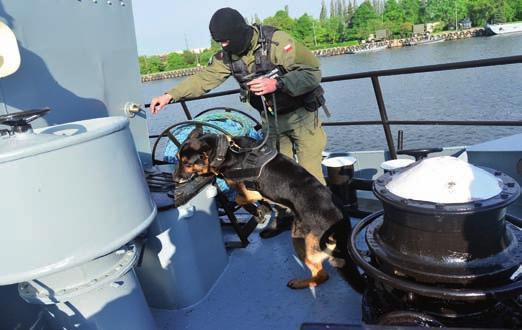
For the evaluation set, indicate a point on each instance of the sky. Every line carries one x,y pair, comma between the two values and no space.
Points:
164,26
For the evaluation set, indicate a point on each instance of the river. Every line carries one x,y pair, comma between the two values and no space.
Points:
490,93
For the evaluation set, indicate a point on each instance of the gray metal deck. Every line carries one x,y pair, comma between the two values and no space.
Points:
252,294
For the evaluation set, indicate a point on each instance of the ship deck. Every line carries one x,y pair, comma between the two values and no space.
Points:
252,294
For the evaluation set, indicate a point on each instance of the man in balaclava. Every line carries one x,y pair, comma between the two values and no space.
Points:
229,28
293,92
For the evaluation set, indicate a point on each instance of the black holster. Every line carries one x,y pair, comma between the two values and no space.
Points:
314,99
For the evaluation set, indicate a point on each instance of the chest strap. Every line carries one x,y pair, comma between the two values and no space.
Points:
252,165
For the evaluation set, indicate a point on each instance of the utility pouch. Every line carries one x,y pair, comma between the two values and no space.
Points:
314,100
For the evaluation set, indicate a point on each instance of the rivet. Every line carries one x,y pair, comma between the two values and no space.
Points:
477,204
122,4
383,191
504,196
439,206
95,1
109,2
511,184
497,173
380,181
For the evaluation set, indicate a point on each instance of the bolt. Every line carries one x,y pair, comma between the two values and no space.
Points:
510,184
504,196
497,173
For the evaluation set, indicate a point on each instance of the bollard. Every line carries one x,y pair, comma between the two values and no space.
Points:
340,170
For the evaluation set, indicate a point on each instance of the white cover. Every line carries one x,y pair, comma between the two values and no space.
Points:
9,53
445,180
394,164
339,161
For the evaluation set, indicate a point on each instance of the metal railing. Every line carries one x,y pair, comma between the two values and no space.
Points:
385,122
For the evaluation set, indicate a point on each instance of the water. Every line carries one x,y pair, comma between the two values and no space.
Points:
491,93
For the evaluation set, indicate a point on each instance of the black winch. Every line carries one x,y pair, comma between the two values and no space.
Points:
435,263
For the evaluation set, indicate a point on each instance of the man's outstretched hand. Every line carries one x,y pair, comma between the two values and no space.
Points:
159,102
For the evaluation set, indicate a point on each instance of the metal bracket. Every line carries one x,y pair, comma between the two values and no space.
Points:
131,109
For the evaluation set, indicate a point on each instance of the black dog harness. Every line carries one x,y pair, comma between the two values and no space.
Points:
251,166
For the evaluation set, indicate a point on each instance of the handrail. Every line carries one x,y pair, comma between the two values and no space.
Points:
374,76
428,68
429,122
391,72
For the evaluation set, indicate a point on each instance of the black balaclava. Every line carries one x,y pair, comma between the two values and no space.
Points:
228,24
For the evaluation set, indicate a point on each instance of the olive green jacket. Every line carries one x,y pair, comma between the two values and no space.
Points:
303,68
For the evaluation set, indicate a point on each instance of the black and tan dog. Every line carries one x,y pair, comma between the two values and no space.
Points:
319,231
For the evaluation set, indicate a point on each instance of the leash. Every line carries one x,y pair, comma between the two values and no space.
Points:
274,113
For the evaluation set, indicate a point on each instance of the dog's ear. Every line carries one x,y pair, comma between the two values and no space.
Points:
196,132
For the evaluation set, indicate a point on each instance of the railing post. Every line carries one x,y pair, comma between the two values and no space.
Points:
186,110
384,116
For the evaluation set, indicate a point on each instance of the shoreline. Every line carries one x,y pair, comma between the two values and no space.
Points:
334,51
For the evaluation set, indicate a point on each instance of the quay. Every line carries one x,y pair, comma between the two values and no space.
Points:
464,34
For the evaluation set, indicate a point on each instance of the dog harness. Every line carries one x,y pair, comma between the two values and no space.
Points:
249,169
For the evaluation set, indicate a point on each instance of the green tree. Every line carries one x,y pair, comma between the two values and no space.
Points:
364,21
504,12
175,61
410,9
349,13
480,11
304,30
142,60
447,11
393,16
281,20
155,64
322,14
189,57
517,7
334,28
339,9
422,11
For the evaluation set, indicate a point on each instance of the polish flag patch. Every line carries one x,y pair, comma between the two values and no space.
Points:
288,48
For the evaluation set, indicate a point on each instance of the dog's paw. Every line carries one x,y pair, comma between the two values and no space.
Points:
300,284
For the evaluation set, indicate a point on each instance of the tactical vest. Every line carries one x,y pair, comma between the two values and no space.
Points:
285,103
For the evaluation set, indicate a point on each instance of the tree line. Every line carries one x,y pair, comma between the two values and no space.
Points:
345,22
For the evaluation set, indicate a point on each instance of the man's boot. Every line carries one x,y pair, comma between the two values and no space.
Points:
281,223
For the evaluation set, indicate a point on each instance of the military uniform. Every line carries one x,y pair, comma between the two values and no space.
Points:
299,130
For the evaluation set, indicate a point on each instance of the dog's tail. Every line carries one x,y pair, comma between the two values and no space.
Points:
339,256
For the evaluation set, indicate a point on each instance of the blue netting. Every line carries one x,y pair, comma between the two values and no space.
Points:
234,123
